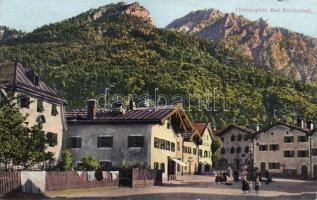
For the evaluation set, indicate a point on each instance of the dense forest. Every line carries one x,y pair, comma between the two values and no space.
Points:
83,55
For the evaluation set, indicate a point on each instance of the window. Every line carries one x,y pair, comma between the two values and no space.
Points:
289,154
106,165
200,153
274,165
135,141
243,155
288,139
194,151
302,153
273,147
178,146
189,150
162,144
75,142
24,101
223,150
238,150
173,146
162,167
168,125
246,149
205,154
168,145
302,138
233,138
239,137
263,148
156,143
40,106
222,139
51,139
105,141
54,110
245,138
232,150
314,152
156,166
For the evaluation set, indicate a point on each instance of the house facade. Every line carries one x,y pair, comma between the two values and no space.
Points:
34,98
235,150
148,136
284,149
204,148
313,154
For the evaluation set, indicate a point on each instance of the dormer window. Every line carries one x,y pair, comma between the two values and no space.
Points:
34,78
24,101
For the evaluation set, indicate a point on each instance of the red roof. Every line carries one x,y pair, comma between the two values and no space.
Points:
200,127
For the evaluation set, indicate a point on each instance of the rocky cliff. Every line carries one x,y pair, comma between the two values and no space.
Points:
291,53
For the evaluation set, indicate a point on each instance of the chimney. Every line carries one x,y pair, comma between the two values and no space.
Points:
117,107
214,128
91,112
257,128
300,122
131,103
310,125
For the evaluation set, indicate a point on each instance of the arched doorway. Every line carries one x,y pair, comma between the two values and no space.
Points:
304,171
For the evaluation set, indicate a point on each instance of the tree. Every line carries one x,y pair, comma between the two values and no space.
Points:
20,145
66,161
89,163
215,145
11,126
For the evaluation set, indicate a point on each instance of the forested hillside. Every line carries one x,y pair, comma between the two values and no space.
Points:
115,47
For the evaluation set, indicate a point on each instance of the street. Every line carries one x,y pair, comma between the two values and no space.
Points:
198,187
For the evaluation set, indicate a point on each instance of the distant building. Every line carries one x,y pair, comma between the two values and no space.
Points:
314,154
204,149
284,149
36,99
236,147
148,136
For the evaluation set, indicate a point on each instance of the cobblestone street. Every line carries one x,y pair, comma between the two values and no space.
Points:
200,187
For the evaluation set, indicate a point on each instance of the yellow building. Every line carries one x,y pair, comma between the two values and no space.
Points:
204,148
43,106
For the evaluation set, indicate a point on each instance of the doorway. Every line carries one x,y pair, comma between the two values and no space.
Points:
262,167
237,163
315,171
304,171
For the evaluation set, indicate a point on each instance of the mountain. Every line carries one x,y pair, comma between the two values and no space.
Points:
7,33
117,46
288,52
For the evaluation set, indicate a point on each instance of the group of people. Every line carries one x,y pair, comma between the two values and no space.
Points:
250,180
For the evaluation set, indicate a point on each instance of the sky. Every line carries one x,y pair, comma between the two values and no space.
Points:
296,15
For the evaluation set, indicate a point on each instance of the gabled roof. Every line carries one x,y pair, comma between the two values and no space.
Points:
242,128
201,127
304,130
13,76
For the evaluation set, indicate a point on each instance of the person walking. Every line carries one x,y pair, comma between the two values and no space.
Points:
236,175
245,185
257,184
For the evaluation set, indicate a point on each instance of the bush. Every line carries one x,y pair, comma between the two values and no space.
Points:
66,161
89,163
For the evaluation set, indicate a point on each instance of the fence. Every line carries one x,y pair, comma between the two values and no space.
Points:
138,177
79,180
9,182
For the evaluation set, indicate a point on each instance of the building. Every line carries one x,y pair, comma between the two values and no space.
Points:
235,148
283,149
148,136
204,149
43,106
314,153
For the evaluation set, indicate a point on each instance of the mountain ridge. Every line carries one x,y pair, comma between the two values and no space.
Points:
83,55
294,54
